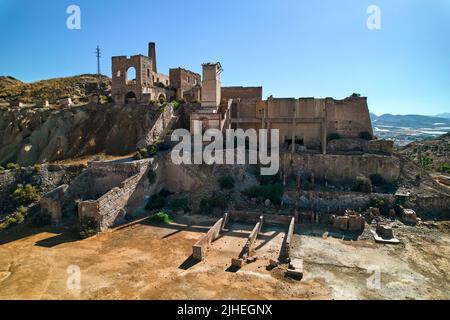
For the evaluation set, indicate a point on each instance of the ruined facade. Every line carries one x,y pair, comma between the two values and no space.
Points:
135,79
303,122
186,83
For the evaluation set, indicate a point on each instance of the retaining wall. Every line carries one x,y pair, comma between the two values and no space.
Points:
199,249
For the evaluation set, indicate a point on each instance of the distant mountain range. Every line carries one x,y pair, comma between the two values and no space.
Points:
404,129
443,115
411,120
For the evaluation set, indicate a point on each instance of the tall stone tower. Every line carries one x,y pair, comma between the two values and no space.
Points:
211,88
152,55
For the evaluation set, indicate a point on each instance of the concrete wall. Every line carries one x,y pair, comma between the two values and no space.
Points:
199,249
285,251
338,168
253,217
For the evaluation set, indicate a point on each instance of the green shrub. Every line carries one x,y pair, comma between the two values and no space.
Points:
445,168
156,202
178,103
382,204
26,195
2,170
138,156
16,218
179,204
425,162
161,217
363,184
87,227
365,135
273,192
151,175
37,167
377,180
226,182
12,166
334,136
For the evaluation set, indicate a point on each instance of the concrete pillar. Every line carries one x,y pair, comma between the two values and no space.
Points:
294,124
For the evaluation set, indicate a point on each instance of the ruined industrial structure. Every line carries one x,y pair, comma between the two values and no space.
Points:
302,123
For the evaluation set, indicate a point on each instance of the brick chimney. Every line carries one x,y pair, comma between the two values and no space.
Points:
152,55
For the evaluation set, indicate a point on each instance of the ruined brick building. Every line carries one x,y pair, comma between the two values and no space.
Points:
306,122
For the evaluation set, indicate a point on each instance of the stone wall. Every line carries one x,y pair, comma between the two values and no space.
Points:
341,168
383,147
159,128
183,80
437,206
46,179
335,202
110,207
51,203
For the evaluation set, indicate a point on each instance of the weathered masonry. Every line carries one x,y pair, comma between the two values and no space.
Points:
135,79
304,122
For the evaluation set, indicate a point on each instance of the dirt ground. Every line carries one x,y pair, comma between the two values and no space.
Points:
144,261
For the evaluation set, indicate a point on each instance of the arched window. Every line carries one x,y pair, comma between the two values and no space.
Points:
131,74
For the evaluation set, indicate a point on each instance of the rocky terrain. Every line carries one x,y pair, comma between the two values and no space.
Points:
38,135
76,87
432,155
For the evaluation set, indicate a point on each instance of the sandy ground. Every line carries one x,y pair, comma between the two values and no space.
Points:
145,261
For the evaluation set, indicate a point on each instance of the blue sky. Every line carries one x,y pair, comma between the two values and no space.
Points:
293,48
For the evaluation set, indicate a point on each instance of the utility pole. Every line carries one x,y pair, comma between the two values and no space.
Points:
98,54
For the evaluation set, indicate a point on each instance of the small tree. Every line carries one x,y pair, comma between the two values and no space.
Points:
445,168
26,195
88,227
161,217
425,162
12,166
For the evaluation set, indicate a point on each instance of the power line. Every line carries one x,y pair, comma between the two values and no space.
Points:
98,54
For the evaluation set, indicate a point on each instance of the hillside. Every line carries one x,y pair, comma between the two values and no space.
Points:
80,86
432,155
37,135
404,129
